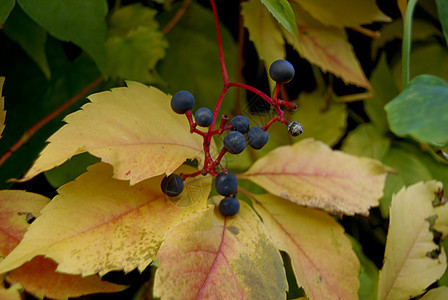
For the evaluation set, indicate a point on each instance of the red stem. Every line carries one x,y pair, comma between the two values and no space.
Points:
225,77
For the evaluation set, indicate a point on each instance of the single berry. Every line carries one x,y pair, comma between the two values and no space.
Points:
240,123
234,142
229,206
226,184
257,137
182,102
203,117
172,185
295,128
281,71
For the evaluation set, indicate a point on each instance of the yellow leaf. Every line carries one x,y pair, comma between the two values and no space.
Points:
321,255
12,293
2,107
14,208
328,48
436,294
263,32
98,224
132,128
310,173
321,120
211,257
344,13
38,277
409,266
402,4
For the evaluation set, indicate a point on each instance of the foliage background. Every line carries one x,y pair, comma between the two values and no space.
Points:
44,70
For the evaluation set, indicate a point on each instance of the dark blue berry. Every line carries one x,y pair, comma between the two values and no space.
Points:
234,142
182,102
257,137
172,185
229,206
203,117
226,184
240,123
281,71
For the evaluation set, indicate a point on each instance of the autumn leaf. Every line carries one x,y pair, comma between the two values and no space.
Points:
132,128
310,173
11,293
38,276
344,13
436,294
210,256
15,207
412,259
322,121
328,48
263,32
321,255
2,107
98,224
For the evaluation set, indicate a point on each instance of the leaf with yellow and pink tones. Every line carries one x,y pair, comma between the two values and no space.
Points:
344,13
208,256
38,276
328,48
309,173
132,128
321,255
98,224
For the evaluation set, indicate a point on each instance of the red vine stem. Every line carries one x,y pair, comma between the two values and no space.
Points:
177,16
225,77
32,130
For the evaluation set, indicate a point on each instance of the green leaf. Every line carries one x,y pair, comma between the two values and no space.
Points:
135,44
192,60
282,11
410,169
28,88
420,110
368,276
5,9
71,169
385,90
321,120
30,36
80,22
442,9
429,59
366,140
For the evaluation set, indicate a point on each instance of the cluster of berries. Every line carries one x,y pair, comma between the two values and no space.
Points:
234,142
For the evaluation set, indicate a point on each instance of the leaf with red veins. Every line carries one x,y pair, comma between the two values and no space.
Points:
209,256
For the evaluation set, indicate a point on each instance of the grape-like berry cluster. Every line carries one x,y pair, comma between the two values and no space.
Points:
239,133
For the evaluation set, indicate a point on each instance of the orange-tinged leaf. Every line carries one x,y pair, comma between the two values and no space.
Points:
321,255
132,128
328,48
410,266
311,174
344,13
39,278
263,32
11,293
98,224
211,257
15,205
2,107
